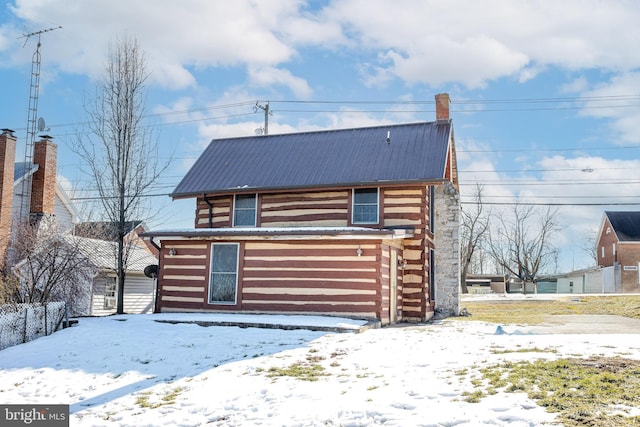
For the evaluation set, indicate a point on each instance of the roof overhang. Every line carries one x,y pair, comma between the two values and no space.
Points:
292,189
282,233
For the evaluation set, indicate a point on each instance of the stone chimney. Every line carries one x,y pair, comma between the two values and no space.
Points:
442,106
43,183
7,166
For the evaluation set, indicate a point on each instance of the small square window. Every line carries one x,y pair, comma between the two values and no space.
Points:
244,210
365,206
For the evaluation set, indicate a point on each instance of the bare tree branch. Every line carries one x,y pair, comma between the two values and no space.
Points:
474,226
521,241
51,265
122,157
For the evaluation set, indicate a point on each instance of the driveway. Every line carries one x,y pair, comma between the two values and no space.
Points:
587,324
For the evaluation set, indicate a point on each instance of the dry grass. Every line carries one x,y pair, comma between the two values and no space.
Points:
531,312
597,391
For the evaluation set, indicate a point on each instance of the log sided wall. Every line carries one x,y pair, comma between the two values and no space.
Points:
318,276
284,277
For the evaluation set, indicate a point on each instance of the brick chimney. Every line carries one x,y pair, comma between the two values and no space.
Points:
43,183
442,106
7,167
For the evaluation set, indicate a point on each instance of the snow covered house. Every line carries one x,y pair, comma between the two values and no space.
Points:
353,222
107,230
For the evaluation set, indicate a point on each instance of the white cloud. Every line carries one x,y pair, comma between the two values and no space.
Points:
577,85
618,101
265,76
417,41
473,42
173,34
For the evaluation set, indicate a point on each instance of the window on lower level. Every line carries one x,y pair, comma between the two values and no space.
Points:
365,206
110,292
223,284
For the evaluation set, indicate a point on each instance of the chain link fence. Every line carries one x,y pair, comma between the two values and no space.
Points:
20,323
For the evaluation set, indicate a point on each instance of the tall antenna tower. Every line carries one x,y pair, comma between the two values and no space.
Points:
32,119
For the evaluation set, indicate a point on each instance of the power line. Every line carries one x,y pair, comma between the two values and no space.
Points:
550,204
463,102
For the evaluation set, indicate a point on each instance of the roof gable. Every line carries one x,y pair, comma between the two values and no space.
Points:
102,254
22,170
104,230
347,157
626,225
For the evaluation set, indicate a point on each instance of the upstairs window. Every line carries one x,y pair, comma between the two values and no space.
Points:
244,210
365,206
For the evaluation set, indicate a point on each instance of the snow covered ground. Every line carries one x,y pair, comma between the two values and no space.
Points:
134,371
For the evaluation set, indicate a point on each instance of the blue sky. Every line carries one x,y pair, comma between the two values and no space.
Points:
545,94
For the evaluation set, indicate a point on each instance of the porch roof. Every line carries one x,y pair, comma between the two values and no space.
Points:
282,232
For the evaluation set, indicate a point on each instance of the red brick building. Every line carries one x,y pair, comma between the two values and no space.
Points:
618,249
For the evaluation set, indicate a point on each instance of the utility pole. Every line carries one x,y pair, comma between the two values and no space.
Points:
264,108
32,118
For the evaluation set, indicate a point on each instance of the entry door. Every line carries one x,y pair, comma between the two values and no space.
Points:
393,285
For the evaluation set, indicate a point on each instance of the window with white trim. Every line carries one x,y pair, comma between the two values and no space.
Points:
365,206
244,210
110,292
223,284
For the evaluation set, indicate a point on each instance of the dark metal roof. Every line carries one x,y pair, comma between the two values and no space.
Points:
626,224
348,157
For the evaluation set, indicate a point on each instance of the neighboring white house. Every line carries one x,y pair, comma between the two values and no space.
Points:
139,290
64,210
32,191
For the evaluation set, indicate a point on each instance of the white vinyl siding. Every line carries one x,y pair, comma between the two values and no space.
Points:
138,295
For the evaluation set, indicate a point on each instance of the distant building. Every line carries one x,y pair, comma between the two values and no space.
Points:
618,250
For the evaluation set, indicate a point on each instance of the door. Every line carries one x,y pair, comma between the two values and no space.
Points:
393,285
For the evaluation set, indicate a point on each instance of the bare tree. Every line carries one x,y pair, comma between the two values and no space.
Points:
589,247
50,265
521,241
475,223
121,155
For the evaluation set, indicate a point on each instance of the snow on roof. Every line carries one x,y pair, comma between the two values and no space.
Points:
102,254
246,231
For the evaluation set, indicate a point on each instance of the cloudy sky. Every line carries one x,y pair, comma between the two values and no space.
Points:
545,94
